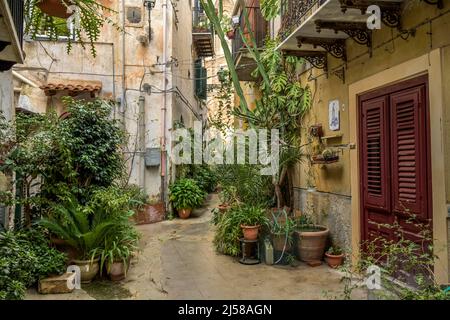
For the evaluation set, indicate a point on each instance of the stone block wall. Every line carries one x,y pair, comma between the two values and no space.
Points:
331,210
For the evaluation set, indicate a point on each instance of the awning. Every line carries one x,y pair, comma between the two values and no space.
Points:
72,87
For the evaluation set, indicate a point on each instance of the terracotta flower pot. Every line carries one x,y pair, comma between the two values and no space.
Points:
223,207
54,8
184,213
334,261
230,34
250,232
88,268
311,243
278,242
117,271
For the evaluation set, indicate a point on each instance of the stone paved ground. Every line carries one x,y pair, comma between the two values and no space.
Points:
178,261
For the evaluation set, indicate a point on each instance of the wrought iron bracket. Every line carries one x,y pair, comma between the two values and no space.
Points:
340,73
318,59
335,47
391,12
438,3
356,30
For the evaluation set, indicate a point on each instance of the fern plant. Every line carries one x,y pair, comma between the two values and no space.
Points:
91,15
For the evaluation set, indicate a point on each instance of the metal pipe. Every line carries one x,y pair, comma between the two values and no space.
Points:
164,107
24,79
142,117
124,100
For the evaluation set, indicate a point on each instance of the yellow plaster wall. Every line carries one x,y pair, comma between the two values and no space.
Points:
335,178
428,52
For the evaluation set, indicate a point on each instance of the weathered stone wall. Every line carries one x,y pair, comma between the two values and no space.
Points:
126,64
328,209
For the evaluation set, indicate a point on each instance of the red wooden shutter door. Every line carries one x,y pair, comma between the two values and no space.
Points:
375,154
409,154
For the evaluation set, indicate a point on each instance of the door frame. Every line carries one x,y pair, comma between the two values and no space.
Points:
430,63
385,91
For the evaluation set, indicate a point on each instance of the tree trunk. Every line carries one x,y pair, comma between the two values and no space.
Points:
291,189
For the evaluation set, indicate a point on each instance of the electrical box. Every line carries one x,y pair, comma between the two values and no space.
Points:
152,157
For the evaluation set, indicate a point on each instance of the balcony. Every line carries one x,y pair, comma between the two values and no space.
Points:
202,33
314,28
259,27
11,33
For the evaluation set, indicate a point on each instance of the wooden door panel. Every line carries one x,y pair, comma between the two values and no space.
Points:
394,162
375,157
409,160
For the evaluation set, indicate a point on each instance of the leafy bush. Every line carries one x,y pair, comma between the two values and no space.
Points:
401,262
245,184
25,257
93,141
205,177
186,194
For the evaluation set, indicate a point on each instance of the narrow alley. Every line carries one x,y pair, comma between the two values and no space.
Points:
177,261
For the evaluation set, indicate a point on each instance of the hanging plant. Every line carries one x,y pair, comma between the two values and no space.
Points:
270,8
64,18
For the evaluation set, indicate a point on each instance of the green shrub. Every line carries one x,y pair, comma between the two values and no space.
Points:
186,194
243,183
25,257
206,178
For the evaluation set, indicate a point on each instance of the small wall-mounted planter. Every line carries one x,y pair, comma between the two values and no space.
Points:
54,8
319,159
230,34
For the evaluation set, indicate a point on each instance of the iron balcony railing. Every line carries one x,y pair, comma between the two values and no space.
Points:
17,10
292,13
258,26
200,22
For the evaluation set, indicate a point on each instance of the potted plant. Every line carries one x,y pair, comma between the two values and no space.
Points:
185,195
42,16
115,256
226,25
334,256
251,219
282,229
226,197
311,240
55,8
84,231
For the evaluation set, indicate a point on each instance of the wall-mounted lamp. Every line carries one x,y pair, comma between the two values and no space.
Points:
149,4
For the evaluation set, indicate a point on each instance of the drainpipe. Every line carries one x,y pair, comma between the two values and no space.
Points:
142,118
164,107
124,89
